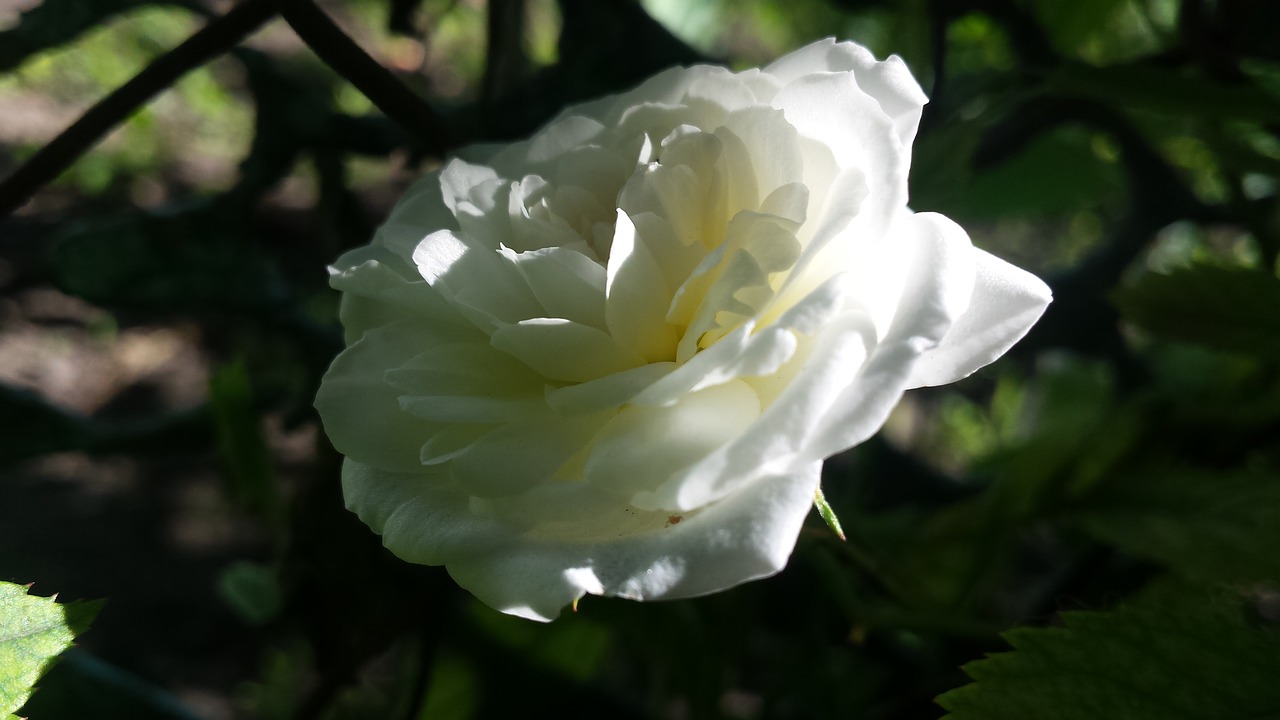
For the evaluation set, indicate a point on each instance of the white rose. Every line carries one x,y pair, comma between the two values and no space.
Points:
611,359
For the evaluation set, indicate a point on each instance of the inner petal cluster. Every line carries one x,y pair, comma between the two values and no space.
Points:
628,294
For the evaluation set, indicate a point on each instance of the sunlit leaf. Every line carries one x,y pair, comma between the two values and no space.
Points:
33,632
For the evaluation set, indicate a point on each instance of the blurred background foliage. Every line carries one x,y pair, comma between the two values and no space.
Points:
1108,496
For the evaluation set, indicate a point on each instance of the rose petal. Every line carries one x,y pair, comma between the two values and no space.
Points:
609,391
744,537
566,283
471,409
814,378
466,187
421,515
745,353
623,459
564,350
560,137
482,284
464,368
676,259
638,296
361,411
889,82
1006,302
832,108
422,206
516,457
771,145
379,288
939,285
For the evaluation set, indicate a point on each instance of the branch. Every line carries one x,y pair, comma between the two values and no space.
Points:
50,161
505,58
341,53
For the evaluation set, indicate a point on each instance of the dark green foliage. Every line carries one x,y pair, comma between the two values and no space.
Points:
190,260
252,590
1177,652
1217,526
1228,309
1153,89
1056,173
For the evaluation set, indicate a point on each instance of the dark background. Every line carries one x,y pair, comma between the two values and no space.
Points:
164,321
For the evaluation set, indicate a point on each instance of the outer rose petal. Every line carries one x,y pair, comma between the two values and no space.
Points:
939,286
889,82
380,287
1006,302
743,537
361,411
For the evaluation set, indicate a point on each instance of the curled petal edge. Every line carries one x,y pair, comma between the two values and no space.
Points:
1006,302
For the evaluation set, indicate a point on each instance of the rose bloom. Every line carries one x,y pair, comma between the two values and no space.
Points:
610,359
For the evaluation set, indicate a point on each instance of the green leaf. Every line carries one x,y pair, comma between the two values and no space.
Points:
33,632
1177,652
1227,309
252,590
1211,525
